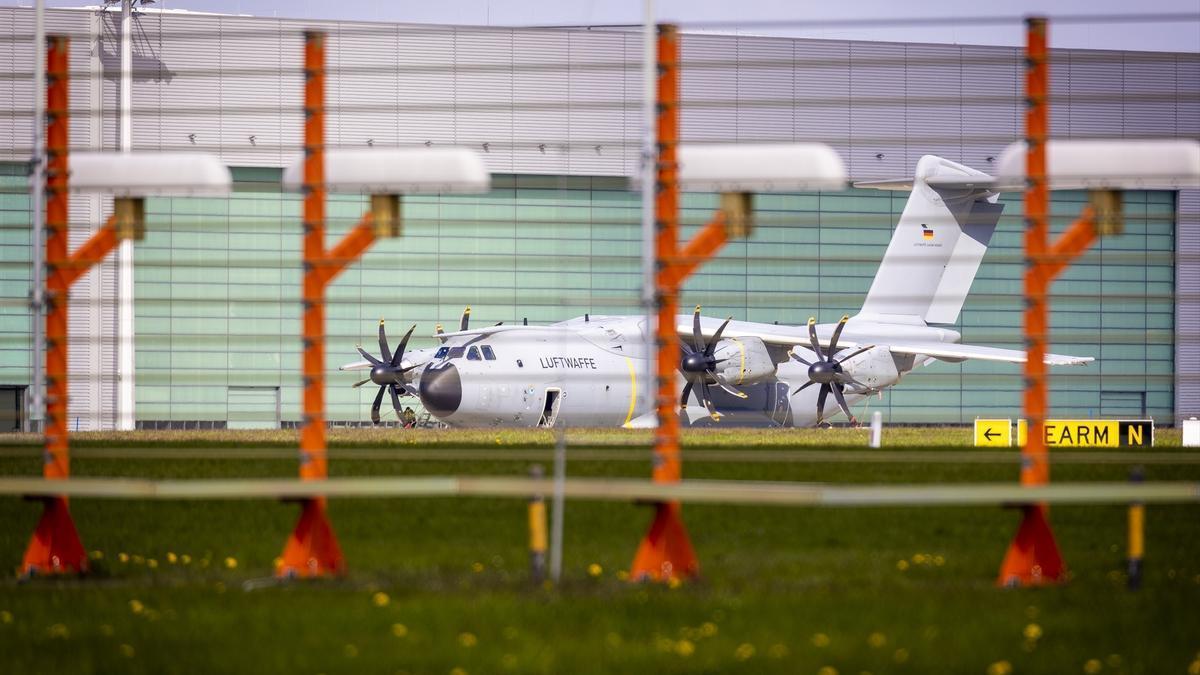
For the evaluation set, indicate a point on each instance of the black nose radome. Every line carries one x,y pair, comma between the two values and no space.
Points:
441,389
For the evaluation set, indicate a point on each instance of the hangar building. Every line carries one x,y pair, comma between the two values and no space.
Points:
556,113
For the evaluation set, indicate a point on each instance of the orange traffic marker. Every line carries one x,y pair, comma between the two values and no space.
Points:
312,549
666,551
55,547
1033,558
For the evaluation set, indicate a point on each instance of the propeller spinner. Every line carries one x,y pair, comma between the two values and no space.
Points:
699,365
826,370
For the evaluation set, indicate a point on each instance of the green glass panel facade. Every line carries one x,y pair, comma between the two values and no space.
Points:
218,289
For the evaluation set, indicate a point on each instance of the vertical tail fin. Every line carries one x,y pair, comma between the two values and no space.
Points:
937,245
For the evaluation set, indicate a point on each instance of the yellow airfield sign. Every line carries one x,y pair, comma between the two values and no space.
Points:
1094,433
993,433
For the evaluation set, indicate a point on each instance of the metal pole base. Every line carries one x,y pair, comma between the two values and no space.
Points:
55,547
1033,558
666,551
312,549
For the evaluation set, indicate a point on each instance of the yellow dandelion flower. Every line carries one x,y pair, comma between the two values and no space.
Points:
350,651
58,630
136,606
918,559
1032,631
1194,667
96,555
827,670
622,575
595,570
1000,668
126,651
674,582
231,562
708,629
477,567
901,565
685,648
1092,666
6,616
380,599
399,630
939,560
820,640
876,640
185,559
777,651
900,655
744,652
152,563
467,640
123,557
172,558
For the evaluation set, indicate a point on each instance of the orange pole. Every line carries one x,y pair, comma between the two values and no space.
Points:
1033,556
312,434
91,253
666,553
1071,244
55,547
349,249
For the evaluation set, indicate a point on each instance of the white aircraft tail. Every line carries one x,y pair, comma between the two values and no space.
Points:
937,245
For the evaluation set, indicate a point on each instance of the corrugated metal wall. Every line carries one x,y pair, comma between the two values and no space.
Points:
567,102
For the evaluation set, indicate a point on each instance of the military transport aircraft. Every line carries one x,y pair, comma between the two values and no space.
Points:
585,371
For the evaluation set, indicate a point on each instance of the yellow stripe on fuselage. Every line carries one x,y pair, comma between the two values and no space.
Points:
632,389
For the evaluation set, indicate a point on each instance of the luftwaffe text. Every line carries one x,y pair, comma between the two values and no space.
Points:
567,362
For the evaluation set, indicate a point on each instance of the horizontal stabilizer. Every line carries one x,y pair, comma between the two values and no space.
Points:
957,352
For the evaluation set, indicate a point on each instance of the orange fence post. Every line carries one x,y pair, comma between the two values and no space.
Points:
1033,557
55,547
312,548
666,551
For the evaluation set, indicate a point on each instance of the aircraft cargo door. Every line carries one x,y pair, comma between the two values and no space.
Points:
550,407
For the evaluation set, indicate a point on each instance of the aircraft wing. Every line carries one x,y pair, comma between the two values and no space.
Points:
484,331
951,350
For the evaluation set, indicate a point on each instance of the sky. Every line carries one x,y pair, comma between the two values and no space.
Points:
962,22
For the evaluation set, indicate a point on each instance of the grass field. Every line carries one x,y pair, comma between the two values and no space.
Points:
440,585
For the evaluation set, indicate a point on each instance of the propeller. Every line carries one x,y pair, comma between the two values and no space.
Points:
699,365
463,324
826,370
387,372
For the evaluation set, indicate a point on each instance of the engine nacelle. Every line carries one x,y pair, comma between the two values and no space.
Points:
746,361
875,368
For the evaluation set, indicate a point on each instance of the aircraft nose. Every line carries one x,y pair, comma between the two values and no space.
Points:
441,389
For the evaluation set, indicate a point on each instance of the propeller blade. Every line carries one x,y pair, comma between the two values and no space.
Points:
375,406
465,321
395,397
356,385
712,345
856,353
841,399
729,389
825,389
797,357
708,404
687,391
837,333
498,323
438,329
697,336
399,355
374,361
812,337
806,385
383,345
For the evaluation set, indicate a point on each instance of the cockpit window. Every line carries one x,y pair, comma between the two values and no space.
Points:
488,353
456,352
441,352
473,354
